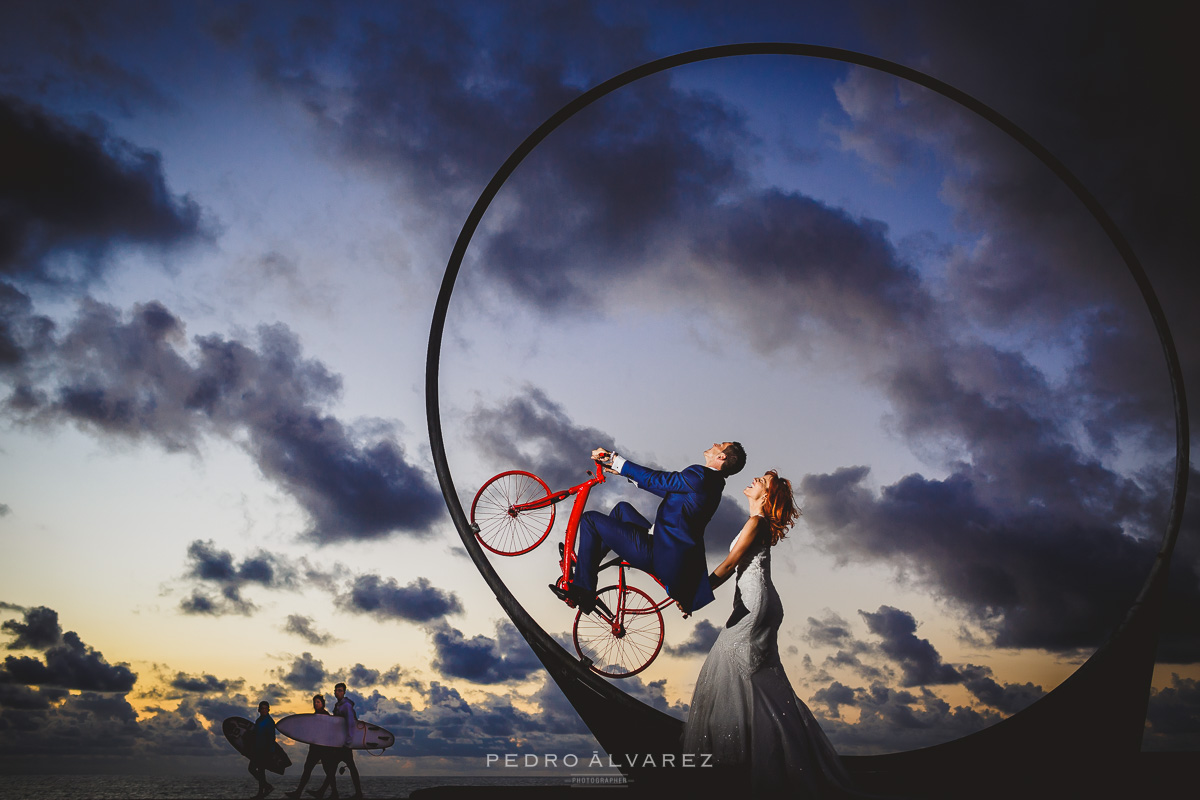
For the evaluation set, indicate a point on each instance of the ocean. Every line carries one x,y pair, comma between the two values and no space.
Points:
207,787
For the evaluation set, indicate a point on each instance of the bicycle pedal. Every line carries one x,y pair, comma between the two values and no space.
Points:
561,594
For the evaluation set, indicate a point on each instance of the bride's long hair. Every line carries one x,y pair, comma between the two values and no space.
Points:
780,507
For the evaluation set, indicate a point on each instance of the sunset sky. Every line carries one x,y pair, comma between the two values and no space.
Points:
222,231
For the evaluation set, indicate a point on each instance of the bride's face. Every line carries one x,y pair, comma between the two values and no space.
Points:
758,487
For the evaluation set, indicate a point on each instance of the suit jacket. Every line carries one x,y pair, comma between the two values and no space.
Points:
689,500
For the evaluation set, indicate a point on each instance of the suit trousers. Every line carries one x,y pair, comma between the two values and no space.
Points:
623,531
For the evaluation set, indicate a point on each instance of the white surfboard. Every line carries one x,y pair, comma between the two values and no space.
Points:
330,731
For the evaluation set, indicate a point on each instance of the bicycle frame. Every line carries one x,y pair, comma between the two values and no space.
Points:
621,566
581,493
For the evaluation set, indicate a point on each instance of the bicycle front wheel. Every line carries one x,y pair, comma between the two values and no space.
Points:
499,525
625,645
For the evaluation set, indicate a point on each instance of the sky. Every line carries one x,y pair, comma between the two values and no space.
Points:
222,231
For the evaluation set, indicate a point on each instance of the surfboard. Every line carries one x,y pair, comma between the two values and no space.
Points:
330,731
240,733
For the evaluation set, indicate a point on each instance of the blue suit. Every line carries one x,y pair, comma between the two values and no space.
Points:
675,552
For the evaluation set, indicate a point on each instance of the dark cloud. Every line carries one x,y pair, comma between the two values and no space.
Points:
1008,699
39,631
482,659
394,676
1173,716
42,723
71,195
200,604
303,627
1026,574
611,187
23,335
216,708
1043,263
93,729
83,55
833,631
24,698
362,676
1067,82
216,568
891,719
920,665
1005,431
134,379
70,664
1043,268
919,660
654,694
106,706
444,723
419,601
206,563
532,432
592,206
558,715
178,733
450,725
699,641
725,524
305,673
852,659
834,696
793,262
203,684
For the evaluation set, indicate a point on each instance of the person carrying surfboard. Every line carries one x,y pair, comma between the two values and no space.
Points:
264,743
317,754
344,707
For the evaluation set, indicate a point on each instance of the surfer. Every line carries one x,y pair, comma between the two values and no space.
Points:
326,756
344,707
264,743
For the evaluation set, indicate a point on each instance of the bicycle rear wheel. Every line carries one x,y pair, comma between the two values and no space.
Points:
499,527
635,642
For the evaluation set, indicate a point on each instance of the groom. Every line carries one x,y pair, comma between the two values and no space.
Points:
673,548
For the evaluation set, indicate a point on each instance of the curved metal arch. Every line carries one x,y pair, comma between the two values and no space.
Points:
1066,719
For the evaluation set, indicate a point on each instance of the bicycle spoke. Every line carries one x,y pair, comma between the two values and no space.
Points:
502,530
619,656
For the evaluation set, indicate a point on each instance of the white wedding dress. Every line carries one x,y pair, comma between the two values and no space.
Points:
744,711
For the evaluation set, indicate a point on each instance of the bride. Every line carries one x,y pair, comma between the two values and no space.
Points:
744,711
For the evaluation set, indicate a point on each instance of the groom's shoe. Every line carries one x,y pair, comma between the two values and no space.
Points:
582,598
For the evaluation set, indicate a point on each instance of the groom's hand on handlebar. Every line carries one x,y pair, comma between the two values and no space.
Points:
604,458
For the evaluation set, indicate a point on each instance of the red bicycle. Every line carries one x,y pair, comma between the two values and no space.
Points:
513,513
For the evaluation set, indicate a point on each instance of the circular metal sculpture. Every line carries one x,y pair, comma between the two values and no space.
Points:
1096,716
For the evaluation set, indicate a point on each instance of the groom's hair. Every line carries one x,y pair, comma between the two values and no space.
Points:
735,459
